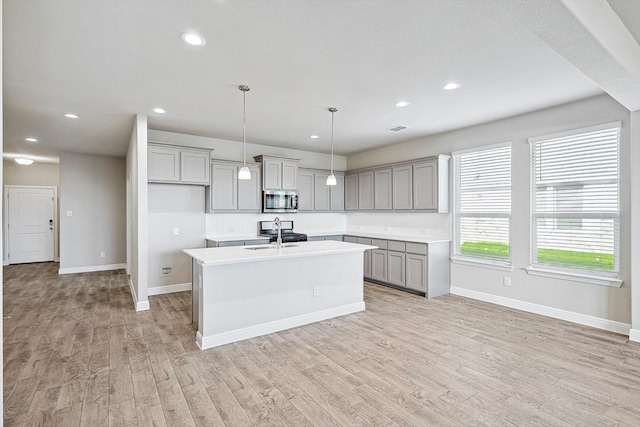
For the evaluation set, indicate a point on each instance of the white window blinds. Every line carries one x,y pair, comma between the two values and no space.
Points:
482,203
574,200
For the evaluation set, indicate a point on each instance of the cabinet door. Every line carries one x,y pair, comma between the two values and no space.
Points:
223,187
272,174
350,239
365,191
305,190
194,167
337,194
379,265
321,191
367,264
403,187
289,175
250,191
382,189
163,164
425,185
396,261
351,192
416,266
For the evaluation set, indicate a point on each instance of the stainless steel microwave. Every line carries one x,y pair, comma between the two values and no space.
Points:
280,201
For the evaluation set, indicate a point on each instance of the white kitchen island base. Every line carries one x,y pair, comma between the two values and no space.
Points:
241,293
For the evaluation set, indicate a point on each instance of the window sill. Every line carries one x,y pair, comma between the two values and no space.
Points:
584,278
494,265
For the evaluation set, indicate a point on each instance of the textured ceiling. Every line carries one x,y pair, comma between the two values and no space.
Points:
108,60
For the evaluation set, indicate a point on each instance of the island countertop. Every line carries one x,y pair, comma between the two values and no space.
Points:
241,254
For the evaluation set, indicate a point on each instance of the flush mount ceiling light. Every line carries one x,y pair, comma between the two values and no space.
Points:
402,104
31,139
244,172
331,179
71,116
159,110
451,86
23,161
193,39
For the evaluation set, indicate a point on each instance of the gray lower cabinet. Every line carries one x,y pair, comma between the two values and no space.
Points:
336,237
227,243
419,267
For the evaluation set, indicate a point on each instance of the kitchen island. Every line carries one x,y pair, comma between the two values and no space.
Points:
245,291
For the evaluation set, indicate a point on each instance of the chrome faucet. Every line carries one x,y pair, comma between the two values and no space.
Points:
277,223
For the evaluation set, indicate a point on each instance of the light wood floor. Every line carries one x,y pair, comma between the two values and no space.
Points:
76,353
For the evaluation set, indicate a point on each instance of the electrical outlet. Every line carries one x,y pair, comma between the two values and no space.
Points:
166,271
69,213
102,254
176,231
316,291
506,280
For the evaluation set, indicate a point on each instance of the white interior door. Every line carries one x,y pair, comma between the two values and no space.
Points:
31,224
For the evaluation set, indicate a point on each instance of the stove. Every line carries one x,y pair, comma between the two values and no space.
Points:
266,229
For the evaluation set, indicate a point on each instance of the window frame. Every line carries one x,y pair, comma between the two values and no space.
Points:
456,256
599,277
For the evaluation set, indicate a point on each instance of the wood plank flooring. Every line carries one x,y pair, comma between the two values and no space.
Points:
77,354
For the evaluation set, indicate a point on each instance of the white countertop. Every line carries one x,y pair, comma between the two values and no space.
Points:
240,254
416,238
235,238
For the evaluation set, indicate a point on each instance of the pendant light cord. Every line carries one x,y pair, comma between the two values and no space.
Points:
332,119
244,140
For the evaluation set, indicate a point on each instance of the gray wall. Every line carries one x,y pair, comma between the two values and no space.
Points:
93,189
593,300
37,174
174,206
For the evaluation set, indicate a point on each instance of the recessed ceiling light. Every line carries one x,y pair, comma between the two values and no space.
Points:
193,39
314,137
159,110
23,161
31,139
451,86
71,115
402,104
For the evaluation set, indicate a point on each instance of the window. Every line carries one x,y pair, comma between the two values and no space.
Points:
482,204
574,200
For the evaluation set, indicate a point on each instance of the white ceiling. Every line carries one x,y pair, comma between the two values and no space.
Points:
107,60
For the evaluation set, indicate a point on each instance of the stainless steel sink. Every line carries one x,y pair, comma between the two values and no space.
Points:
256,248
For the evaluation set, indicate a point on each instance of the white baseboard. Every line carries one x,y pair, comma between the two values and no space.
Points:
634,335
169,289
90,268
275,326
556,313
139,305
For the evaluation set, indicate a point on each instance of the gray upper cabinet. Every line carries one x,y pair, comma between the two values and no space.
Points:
365,191
171,164
314,195
228,194
382,189
305,190
278,173
431,185
351,192
419,185
403,187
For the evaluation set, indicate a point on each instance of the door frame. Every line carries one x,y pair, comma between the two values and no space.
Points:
5,221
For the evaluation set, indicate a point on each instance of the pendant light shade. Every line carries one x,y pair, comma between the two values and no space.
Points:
244,172
331,179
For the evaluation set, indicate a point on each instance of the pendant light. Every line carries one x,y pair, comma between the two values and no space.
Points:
244,172
331,179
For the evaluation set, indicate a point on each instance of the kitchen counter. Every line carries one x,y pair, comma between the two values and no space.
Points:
240,293
415,238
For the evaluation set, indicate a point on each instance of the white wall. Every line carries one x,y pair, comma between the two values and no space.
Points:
171,207
137,235
36,174
602,302
635,226
92,188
